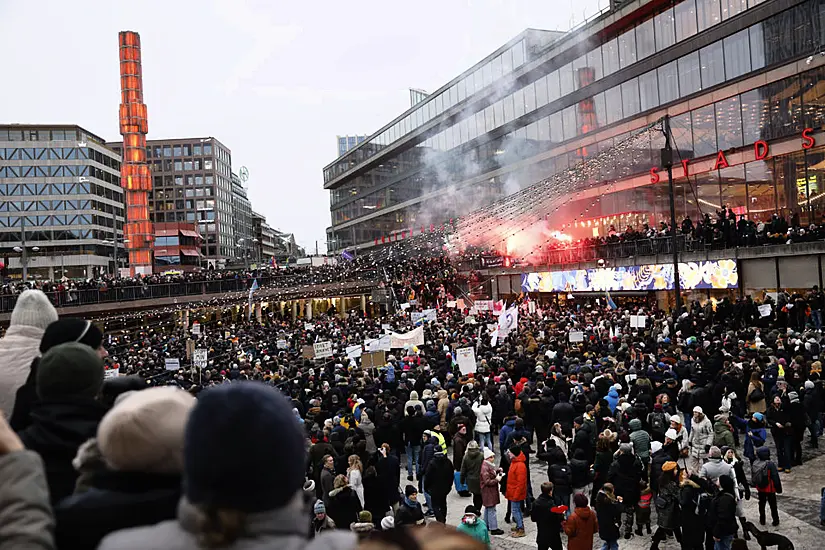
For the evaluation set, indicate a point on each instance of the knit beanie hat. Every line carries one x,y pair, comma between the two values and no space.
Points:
580,500
244,450
410,490
69,370
388,523
71,329
365,516
714,452
319,507
33,309
144,431
626,448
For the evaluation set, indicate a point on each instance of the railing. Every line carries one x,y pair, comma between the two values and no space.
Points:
132,293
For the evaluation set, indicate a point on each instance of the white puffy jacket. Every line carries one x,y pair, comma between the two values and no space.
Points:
18,348
484,415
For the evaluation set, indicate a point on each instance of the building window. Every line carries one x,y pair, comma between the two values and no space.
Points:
627,48
630,97
737,55
685,14
704,131
712,65
645,40
610,57
729,123
690,80
649,90
708,13
613,101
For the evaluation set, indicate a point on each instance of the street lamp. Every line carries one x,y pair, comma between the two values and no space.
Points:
24,258
257,247
243,253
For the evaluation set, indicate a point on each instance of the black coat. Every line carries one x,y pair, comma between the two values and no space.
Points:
343,507
376,498
548,523
667,453
609,516
562,480
580,472
56,431
389,471
117,500
438,479
408,515
625,474
564,413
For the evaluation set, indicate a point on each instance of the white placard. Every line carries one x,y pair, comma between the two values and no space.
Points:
196,328
199,358
378,344
405,306
172,364
470,320
484,305
451,303
531,307
282,344
386,327
354,352
466,359
576,336
413,338
322,349
112,372
309,326
638,321
764,310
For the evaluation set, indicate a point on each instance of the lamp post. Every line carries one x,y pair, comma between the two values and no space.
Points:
23,250
242,244
256,246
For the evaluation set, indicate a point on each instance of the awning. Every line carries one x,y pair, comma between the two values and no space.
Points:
188,233
161,252
166,233
189,252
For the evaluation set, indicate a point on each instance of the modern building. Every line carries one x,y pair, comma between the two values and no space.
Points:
177,247
61,203
287,250
744,77
242,223
264,239
345,143
417,96
192,183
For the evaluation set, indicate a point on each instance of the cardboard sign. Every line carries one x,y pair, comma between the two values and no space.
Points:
111,372
200,358
466,359
322,349
226,335
451,303
282,344
373,359
308,352
576,336
764,310
172,364
460,303
423,316
354,352
638,321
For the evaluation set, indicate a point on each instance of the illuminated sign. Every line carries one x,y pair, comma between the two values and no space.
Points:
693,275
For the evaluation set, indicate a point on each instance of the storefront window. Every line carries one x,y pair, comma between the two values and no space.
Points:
761,190
734,189
707,193
755,112
682,134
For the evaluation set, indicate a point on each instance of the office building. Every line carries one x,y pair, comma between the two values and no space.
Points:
61,204
744,77
345,143
192,184
177,247
417,96
242,223
264,239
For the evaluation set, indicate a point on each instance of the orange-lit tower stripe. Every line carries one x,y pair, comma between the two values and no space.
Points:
135,177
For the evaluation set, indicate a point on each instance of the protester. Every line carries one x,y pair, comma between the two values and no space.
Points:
667,505
548,518
517,489
490,494
260,505
471,471
140,442
609,515
409,510
581,526
765,477
20,346
474,526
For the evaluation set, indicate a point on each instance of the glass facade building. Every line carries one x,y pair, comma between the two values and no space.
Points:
729,73
345,143
59,194
193,183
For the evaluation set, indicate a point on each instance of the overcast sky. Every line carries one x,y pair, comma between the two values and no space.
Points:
274,80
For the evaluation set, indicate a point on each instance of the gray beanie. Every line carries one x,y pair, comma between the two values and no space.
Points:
33,309
626,448
69,370
714,452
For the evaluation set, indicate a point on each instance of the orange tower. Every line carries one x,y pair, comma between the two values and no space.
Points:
135,177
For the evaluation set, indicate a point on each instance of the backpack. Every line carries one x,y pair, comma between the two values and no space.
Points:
657,422
760,477
685,402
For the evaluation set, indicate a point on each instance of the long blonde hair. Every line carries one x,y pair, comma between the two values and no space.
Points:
355,464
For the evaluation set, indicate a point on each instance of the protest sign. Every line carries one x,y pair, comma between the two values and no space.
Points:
412,338
111,372
308,352
469,320
200,358
172,364
451,303
354,352
764,310
373,359
484,305
196,328
282,344
322,349
309,326
466,359
576,336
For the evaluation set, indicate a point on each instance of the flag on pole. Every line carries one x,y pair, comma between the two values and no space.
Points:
610,303
508,321
252,289
347,255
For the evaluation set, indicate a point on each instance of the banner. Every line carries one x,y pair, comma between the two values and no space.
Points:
354,352
498,307
379,344
172,364
484,305
412,338
309,327
423,316
576,336
466,359
322,349
507,321
111,372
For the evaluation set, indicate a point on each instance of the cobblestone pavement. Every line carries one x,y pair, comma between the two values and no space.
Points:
798,510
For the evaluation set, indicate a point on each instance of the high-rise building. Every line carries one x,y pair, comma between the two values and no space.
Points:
345,143
242,223
742,77
265,236
192,183
135,177
61,203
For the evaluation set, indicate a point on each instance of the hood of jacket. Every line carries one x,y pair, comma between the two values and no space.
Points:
431,406
720,428
511,423
520,458
442,394
584,513
62,424
613,393
635,425
764,453
362,527
413,395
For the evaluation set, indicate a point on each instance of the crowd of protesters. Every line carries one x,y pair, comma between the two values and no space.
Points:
654,432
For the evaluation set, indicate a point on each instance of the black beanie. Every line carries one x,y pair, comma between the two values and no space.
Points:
69,370
244,449
71,329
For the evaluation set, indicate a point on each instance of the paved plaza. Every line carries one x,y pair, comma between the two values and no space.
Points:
798,510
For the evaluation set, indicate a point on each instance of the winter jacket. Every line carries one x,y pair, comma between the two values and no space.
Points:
442,405
764,462
431,415
459,448
583,441
640,439
562,479
612,399
439,476
409,515
517,479
368,427
715,468
477,529
564,413
700,438
754,439
414,402
609,514
57,430
471,470
490,495
284,528
343,507
484,417
18,348
625,474
755,406
693,524
115,501
505,431
427,453
548,522
723,515
25,515
580,472
667,516
580,528
722,436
